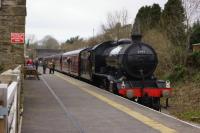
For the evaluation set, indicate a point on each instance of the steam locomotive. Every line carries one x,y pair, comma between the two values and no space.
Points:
124,67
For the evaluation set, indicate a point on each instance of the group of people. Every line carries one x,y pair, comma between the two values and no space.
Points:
50,65
45,64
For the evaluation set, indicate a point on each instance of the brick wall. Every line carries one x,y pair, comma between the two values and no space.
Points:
12,19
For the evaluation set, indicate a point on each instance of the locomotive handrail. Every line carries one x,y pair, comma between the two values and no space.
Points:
10,87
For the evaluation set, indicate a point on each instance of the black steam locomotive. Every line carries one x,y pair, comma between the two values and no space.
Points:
124,67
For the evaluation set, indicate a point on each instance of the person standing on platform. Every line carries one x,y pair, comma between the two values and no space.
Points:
53,65
36,64
44,66
50,65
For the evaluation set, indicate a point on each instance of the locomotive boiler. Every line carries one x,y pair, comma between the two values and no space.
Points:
134,59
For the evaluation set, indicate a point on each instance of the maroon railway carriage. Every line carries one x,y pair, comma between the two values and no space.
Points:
71,62
76,63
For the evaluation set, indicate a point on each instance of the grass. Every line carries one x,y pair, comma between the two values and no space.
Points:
185,102
193,115
189,115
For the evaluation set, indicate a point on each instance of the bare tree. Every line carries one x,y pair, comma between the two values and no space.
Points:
192,12
117,17
116,25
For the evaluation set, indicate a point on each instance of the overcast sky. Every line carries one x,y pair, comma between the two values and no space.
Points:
63,19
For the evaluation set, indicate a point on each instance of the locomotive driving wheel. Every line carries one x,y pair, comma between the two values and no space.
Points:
106,84
113,87
156,104
151,102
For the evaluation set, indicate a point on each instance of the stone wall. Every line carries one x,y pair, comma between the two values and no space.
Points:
12,19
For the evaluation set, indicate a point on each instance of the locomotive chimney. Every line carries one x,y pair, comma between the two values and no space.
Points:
136,37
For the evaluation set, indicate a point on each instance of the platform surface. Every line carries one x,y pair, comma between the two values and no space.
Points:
60,104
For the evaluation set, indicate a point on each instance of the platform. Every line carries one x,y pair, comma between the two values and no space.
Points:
61,104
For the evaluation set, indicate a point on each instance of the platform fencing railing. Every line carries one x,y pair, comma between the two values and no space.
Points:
10,90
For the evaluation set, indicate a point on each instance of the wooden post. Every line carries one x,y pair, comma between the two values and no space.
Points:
2,125
3,104
18,99
167,102
18,102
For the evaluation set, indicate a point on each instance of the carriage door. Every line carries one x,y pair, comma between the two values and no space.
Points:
86,65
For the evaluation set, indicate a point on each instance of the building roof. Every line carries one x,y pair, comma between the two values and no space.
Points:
196,44
40,53
73,52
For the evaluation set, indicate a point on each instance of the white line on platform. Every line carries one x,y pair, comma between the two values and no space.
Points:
68,114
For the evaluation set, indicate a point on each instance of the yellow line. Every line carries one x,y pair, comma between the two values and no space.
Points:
144,119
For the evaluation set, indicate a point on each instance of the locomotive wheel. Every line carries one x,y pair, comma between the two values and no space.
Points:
150,102
156,104
113,88
106,84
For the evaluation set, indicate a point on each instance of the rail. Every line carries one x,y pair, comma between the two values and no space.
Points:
10,90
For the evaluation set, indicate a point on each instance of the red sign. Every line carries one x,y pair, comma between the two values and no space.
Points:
17,38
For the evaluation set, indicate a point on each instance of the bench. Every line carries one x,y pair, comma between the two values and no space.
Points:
31,72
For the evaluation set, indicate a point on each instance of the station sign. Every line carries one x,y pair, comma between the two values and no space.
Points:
17,38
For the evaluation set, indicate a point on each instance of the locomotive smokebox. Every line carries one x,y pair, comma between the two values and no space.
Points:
139,57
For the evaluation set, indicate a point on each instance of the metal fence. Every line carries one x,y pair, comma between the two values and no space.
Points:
10,90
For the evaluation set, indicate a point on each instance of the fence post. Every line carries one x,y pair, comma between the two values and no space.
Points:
18,121
3,108
10,88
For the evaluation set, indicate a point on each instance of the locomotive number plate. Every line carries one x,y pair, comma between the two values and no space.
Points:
141,51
